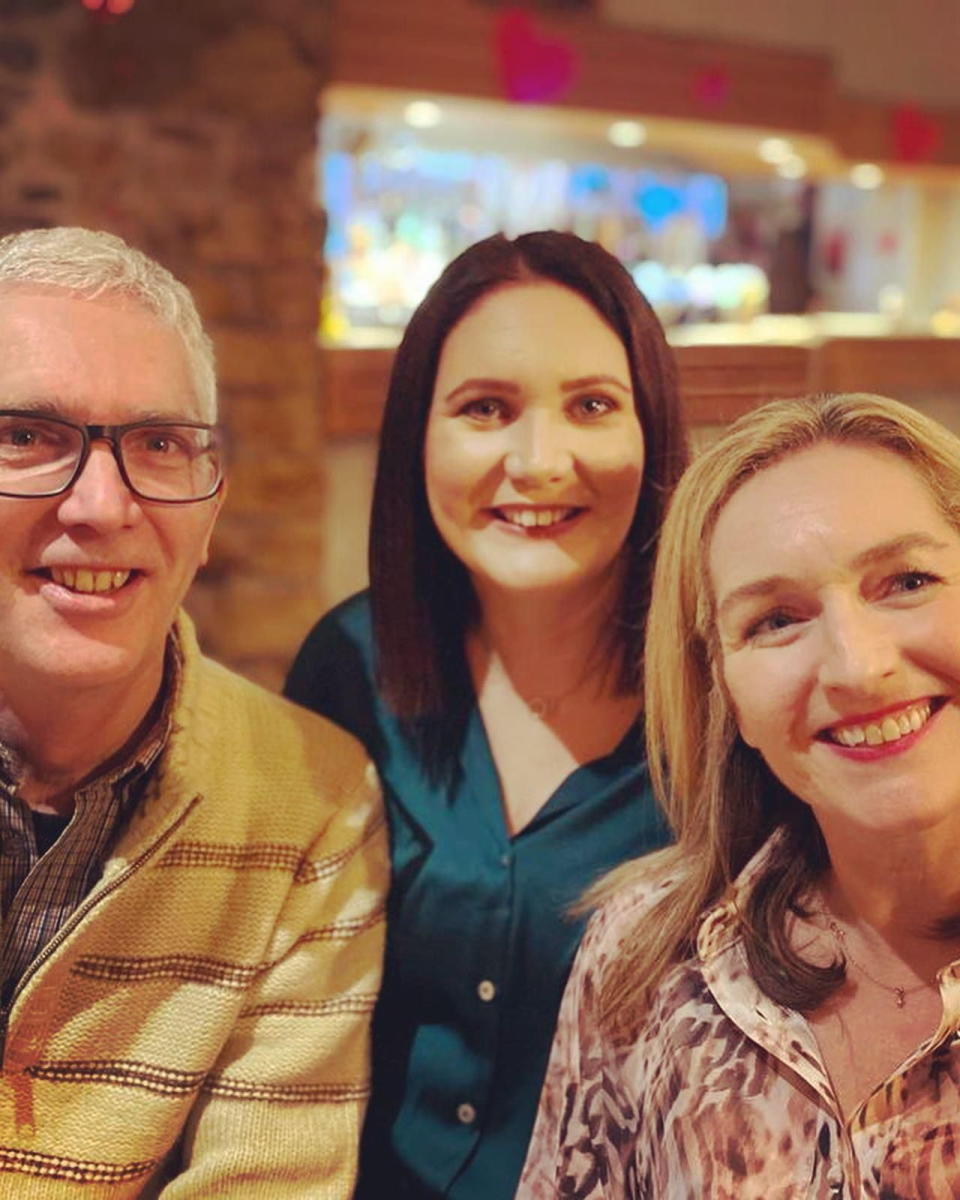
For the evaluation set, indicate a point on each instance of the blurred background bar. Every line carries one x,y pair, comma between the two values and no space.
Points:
782,180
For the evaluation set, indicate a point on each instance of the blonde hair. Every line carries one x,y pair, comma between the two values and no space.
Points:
720,798
93,264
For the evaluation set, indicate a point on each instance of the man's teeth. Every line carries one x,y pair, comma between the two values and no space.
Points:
890,729
530,517
82,579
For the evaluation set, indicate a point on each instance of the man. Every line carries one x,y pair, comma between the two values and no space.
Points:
191,870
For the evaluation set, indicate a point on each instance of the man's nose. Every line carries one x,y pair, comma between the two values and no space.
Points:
540,450
99,497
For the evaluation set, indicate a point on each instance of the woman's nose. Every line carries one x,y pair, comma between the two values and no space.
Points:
859,650
539,449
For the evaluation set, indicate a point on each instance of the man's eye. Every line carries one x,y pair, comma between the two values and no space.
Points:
159,442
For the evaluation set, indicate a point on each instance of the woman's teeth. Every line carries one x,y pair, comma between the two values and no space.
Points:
890,729
82,579
535,517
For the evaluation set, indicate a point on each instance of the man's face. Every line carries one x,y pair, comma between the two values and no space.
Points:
90,580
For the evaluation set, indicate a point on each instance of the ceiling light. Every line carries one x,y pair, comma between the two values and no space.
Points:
627,133
775,150
422,114
793,167
866,175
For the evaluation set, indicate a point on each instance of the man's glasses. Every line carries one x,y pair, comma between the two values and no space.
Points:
170,462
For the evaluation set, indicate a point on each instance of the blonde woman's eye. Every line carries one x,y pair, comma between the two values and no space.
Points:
913,581
769,626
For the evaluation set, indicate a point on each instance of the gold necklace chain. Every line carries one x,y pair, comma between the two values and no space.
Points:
899,993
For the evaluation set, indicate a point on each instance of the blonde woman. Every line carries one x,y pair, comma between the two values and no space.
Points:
772,1007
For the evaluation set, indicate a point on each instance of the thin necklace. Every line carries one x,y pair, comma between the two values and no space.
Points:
899,994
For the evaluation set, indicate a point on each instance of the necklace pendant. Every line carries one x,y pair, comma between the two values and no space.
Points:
901,995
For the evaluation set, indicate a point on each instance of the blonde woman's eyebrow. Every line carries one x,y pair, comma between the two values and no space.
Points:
903,544
881,552
757,589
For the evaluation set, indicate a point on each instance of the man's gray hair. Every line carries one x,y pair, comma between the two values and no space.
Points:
93,263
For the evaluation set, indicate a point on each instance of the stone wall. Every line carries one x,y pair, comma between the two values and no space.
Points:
189,128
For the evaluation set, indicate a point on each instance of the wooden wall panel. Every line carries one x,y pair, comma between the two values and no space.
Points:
451,47
717,383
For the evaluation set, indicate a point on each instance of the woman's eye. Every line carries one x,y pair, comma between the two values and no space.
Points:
912,581
484,409
769,626
593,406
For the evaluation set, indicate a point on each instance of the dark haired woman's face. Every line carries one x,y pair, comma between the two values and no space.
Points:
534,452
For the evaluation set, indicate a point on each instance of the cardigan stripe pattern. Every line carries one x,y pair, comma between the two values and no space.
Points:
199,1027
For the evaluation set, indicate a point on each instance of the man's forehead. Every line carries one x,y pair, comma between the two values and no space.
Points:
69,352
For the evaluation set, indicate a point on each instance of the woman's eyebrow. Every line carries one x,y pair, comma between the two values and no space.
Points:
574,385
758,588
898,545
473,385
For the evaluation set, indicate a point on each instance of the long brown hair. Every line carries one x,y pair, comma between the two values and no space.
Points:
720,798
421,596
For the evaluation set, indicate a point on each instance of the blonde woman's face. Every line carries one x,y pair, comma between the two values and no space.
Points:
837,586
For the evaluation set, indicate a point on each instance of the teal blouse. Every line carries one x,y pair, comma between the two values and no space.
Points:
479,936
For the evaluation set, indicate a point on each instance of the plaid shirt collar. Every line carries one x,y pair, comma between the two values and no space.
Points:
38,893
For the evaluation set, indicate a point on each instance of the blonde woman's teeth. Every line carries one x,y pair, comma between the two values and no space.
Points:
530,518
83,579
890,729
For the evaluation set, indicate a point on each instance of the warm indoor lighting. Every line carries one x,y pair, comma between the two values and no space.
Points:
627,133
775,150
866,175
793,167
422,114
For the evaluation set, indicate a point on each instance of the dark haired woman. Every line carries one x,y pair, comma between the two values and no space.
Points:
530,442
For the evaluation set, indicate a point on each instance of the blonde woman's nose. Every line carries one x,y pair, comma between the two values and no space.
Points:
859,651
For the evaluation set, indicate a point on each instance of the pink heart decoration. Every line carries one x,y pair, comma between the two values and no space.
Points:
916,135
711,87
533,69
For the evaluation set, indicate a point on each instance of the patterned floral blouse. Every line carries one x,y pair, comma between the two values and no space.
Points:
724,1095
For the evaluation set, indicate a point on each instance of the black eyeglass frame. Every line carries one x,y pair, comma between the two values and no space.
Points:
112,435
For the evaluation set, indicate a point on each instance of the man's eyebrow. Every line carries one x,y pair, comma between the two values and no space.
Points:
475,385
758,588
574,385
44,406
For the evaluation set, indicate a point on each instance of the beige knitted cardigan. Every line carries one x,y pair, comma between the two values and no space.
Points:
199,1028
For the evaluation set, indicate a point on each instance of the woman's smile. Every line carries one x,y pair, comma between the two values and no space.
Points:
534,453
839,624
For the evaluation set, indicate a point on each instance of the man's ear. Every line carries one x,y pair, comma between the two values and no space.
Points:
216,503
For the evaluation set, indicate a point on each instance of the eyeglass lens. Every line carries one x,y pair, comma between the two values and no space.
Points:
39,456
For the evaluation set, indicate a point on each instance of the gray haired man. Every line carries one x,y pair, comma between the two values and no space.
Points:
191,870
